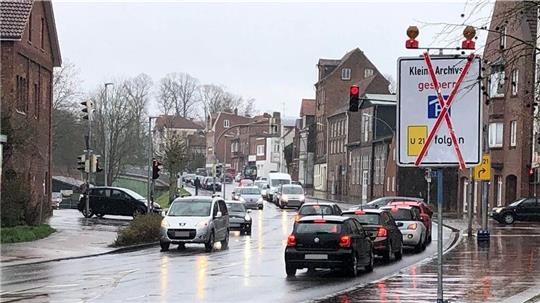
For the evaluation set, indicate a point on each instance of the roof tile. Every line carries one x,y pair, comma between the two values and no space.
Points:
13,16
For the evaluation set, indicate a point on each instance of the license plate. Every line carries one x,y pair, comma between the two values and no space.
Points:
181,233
316,257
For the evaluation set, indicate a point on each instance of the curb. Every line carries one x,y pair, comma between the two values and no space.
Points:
120,250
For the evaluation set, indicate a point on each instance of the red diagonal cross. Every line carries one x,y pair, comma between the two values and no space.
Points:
445,106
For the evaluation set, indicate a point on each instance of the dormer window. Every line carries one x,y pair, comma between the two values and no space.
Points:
368,72
226,123
345,74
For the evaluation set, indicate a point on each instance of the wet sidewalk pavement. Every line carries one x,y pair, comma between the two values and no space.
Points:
75,236
505,270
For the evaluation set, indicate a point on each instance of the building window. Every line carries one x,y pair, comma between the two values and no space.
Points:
502,39
42,33
22,94
387,184
515,82
496,81
226,123
345,74
366,127
368,72
260,150
393,183
377,170
30,28
37,100
513,132
496,134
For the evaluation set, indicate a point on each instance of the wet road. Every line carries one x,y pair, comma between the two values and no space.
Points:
252,269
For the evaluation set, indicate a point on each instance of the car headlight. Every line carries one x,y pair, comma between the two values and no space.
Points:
165,223
247,218
260,200
284,197
241,199
302,197
202,224
156,205
498,210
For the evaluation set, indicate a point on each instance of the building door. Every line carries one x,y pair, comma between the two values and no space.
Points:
364,185
498,190
511,184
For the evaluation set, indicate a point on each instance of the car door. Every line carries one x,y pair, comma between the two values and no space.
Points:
363,247
395,234
536,212
224,218
526,209
116,202
97,200
337,210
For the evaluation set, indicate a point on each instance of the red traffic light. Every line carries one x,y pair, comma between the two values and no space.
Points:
355,90
531,171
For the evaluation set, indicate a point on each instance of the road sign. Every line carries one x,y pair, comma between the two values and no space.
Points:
439,111
482,172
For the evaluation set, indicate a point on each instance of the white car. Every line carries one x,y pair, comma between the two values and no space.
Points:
203,220
251,197
410,225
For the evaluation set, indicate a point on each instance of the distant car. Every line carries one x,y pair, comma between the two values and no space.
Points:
261,179
203,220
250,196
263,186
246,182
383,201
384,232
425,214
239,218
188,178
328,242
322,208
296,183
56,199
525,209
413,230
114,201
290,195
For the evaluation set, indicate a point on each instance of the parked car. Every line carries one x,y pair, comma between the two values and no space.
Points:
323,208
413,230
290,195
114,201
246,182
384,232
250,196
188,178
56,199
239,218
328,242
383,201
201,220
525,209
425,214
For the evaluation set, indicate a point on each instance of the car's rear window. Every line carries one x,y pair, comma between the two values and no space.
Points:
309,210
366,219
318,228
402,214
236,207
251,191
295,190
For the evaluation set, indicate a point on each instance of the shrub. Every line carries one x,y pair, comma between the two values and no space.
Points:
15,199
143,229
25,233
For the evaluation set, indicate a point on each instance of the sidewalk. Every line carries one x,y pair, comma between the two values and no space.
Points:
75,236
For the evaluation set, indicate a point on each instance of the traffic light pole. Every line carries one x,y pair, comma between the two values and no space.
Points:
150,154
88,157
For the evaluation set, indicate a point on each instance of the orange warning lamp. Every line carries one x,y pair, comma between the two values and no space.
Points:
469,33
412,33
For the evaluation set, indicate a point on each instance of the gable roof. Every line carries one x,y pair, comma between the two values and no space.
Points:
14,15
339,63
307,108
169,121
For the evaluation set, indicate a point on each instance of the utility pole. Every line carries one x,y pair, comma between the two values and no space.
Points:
105,131
150,182
89,108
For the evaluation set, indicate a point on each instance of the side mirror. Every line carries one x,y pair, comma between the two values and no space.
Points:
219,214
399,224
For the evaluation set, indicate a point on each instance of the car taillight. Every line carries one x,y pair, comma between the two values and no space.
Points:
345,241
382,232
296,218
412,226
291,240
319,221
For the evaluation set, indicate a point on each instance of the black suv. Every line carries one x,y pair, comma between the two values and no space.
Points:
114,201
526,209
386,236
328,242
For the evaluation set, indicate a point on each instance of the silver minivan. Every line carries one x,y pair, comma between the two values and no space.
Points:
202,220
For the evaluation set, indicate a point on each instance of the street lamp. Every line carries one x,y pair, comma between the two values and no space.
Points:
106,149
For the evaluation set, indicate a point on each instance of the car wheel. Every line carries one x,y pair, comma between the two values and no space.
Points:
88,214
429,237
369,267
352,269
280,204
137,212
164,246
399,254
261,206
225,242
388,255
181,246
508,218
418,247
248,232
209,245
290,270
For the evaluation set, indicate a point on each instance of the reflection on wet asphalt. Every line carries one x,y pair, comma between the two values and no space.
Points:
252,269
509,265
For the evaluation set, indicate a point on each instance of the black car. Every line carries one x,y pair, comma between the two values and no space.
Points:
239,218
328,242
383,230
114,201
526,209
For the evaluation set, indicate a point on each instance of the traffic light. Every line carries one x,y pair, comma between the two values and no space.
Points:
531,174
354,98
83,164
94,164
88,109
156,167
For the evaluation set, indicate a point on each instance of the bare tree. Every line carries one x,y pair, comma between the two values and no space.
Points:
249,107
178,93
175,155
66,86
392,86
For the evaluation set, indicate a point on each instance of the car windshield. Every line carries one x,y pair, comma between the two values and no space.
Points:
516,203
236,207
190,208
278,182
308,210
402,214
134,194
261,185
295,190
366,219
251,191
318,228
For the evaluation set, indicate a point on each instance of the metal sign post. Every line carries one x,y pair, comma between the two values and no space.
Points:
439,236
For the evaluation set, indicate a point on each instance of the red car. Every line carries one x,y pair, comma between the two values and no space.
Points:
424,210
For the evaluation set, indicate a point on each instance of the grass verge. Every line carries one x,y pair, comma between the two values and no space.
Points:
163,199
25,233
143,229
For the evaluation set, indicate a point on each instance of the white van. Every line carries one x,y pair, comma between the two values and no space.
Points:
274,181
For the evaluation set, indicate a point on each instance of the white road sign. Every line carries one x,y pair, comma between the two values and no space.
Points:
421,110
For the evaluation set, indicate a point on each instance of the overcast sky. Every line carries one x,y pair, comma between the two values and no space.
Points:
266,51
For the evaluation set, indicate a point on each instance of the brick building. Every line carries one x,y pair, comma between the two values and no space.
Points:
306,142
29,52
